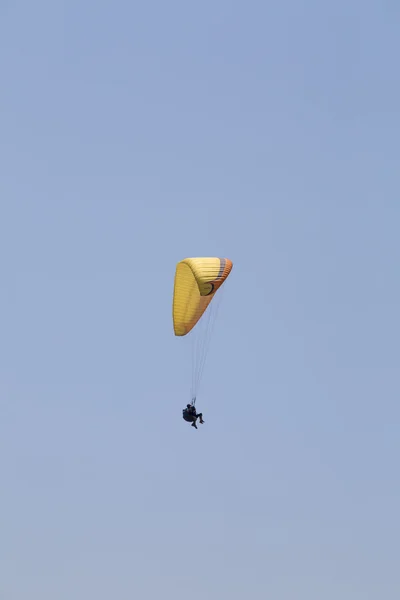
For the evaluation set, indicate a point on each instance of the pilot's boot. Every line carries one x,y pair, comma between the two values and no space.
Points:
201,419
194,424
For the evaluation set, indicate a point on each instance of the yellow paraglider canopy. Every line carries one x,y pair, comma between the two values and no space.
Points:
196,282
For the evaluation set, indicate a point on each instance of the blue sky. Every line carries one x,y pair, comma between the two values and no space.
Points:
134,135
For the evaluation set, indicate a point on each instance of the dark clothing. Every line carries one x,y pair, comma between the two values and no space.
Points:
190,415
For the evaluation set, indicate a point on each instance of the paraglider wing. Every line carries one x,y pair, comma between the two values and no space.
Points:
196,282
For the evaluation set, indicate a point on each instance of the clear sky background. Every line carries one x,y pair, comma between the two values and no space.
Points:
135,134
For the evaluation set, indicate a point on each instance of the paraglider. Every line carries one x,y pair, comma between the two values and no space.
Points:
190,415
197,281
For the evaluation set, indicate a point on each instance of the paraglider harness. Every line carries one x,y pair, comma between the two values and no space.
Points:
189,413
